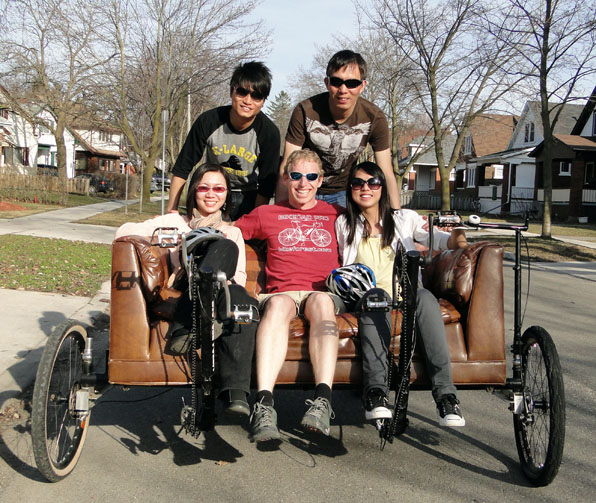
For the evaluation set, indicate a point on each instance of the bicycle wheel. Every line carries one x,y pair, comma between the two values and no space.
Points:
540,425
58,429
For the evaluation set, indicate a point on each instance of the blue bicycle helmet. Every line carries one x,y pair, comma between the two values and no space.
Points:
351,282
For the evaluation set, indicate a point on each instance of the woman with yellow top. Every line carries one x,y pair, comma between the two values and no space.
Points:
369,233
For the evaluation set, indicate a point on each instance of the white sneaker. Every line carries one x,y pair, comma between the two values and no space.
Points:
376,406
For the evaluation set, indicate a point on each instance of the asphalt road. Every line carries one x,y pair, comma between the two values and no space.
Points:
133,452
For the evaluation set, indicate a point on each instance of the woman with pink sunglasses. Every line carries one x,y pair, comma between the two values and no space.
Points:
207,197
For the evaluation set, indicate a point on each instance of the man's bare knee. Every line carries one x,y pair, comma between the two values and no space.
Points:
319,306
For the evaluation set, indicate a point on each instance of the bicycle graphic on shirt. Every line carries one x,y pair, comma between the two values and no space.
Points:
300,233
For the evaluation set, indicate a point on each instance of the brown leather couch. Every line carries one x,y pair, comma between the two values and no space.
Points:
468,283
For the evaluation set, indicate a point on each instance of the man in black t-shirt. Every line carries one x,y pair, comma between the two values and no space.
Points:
240,137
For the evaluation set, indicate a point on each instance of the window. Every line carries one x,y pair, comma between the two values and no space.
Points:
471,177
498,173
4,113
594,124
468,145
452,175
590,178
105,136
529,134
565,169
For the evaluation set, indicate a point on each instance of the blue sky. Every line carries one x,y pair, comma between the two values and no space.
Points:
297,28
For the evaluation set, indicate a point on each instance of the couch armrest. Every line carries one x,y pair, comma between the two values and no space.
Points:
129,323
471,279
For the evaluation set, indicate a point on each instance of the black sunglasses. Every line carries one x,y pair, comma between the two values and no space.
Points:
311,177
255,95
350,83
373,183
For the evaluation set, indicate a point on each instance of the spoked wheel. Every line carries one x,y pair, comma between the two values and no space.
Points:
540,424
58,429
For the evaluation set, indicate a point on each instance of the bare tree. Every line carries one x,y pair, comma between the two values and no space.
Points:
49,51
559,55
168,51
457,70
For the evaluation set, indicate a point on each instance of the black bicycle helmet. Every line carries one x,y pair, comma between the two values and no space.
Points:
193,241
351,282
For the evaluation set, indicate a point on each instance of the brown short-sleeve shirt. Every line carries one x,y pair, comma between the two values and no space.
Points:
338,145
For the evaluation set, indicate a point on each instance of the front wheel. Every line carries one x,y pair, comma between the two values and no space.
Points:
59,411
540,424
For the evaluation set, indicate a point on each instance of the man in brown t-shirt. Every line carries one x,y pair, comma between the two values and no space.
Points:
337,125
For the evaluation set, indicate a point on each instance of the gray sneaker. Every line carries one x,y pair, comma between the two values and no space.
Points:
318,416
263,423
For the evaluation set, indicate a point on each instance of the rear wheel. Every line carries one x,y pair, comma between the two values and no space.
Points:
540,424
58,423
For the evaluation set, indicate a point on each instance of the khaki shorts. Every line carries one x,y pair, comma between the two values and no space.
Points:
300,297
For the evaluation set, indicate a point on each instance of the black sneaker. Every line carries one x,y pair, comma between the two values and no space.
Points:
263,423
449,412
318,416
375,405
235,403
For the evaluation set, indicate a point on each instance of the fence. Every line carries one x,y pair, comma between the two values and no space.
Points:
427,201
40,187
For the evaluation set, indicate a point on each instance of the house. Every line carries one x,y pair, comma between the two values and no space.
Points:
573,168
516,191
99,146
488,133
423,174
47,151
18,142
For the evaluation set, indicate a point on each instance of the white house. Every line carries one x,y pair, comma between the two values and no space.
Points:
47,151
519,169
17,138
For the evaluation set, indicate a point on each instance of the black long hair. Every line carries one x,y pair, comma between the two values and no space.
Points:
191,201
385,214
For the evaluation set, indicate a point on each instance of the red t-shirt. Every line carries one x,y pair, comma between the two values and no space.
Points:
301,244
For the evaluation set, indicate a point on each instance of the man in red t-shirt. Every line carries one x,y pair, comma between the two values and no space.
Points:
301,252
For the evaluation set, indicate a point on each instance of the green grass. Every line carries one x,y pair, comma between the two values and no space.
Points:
53,265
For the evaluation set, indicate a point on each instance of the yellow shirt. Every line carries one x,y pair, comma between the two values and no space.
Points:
379,259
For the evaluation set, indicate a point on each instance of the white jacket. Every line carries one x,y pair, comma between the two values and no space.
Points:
408,229
147,227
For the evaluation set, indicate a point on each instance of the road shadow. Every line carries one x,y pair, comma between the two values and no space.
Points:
427,440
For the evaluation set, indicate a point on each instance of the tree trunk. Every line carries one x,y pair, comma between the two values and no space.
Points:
61,159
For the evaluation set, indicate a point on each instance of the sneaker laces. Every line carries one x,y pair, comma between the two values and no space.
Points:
264,415
448,405
376,398
319,407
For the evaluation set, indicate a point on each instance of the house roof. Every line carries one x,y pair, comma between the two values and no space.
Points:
429,157
567,118
586,114
97,151
574,142
492,132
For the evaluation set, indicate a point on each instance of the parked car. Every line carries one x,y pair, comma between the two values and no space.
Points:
97,183
156,177
153,187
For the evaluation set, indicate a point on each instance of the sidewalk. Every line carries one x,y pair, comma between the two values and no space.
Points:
29,317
